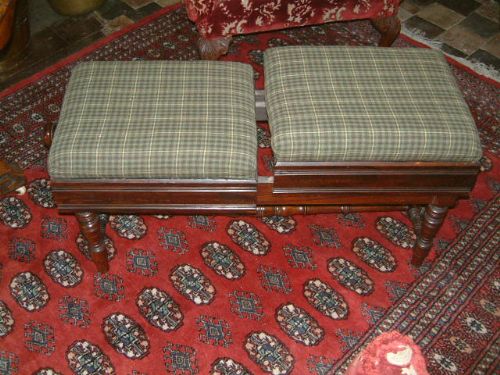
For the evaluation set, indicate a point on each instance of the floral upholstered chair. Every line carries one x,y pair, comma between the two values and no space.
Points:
218,20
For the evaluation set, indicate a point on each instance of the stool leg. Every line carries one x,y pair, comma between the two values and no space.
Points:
389,29
93,230
432,219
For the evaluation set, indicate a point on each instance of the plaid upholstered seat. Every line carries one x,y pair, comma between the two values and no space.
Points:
157,119
366,104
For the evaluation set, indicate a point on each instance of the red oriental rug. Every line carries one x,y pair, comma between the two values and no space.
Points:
221,295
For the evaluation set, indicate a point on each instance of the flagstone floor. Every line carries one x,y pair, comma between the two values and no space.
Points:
468,29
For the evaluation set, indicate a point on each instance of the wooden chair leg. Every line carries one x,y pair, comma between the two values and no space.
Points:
416,214
431,222
93,230
212,49
389,28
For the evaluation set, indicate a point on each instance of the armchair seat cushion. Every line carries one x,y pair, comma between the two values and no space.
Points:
334,103
215,19
157,120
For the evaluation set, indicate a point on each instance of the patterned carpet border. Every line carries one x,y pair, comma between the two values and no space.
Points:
448,285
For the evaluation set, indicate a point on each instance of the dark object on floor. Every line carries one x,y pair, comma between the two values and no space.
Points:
75,7
14,34
11,178
7,8
391,353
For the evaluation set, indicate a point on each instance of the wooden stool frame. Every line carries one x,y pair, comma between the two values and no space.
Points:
426,190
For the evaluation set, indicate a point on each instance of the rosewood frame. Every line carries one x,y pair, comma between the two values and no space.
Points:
425,189
388,27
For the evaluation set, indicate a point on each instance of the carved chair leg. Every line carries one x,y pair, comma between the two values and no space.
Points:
212,49
432,219
389,29
416,214
93,230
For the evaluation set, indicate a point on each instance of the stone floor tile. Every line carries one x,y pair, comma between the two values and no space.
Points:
116,24
464,7
166,3
429,30
493,46
403,14
72,31
452,51
480,25
440,15
462,39
410,6
136,4
428,17
114,8
43,41
24,70
144,11
486,58
84,42
35,57
490,9
42,16
422,3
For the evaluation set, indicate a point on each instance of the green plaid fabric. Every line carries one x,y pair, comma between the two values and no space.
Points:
366,104
157,119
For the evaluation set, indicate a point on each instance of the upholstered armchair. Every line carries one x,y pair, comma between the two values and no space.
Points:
218,20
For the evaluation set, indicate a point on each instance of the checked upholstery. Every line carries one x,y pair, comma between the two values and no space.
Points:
157,119
366,104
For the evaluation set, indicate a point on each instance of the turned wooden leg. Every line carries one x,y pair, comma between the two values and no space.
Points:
389,29
93,230
212,49
432,219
